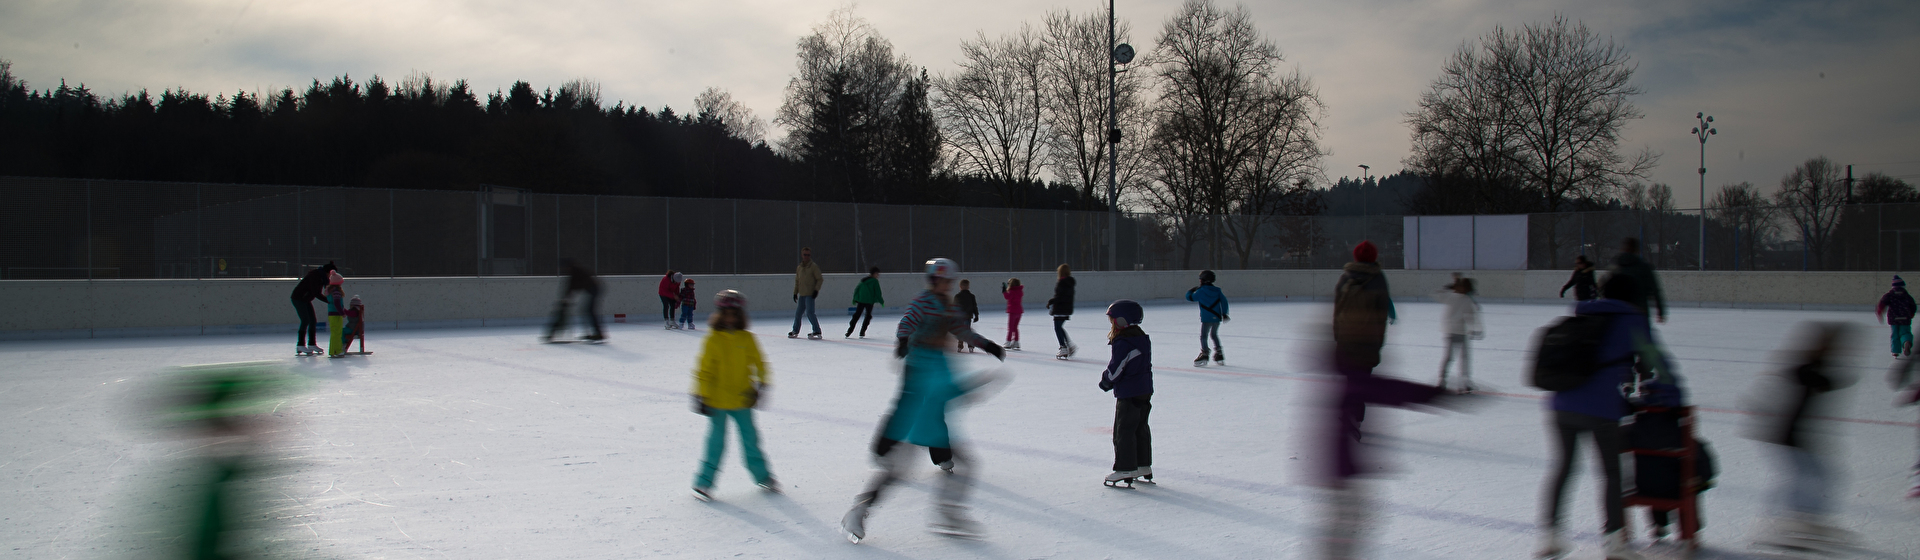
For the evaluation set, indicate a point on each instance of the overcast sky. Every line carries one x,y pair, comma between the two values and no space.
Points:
1786,80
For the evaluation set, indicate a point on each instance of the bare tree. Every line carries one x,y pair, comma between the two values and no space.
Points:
990,111
1074,99
735,116
1813,196
1741,208
841,103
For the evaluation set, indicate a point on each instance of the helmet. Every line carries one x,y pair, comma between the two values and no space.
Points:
942,268
1127,309
355,302
729,299
1206,276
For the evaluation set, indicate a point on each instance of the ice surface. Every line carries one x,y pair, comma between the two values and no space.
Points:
484,443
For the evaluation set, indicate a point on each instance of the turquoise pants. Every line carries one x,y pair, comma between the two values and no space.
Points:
717,446
1902,336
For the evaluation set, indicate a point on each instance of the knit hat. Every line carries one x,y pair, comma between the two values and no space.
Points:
1365,252
1898,283
334,278
355,302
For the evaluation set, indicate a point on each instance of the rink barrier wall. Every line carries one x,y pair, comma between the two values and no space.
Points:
45,309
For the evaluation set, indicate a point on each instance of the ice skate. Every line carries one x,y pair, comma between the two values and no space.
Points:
770,486
1552,545
1202,360
1061,354
1219,357
849,334
1618,548
299,350
1122,479
854,524
1071,349
702,493
814,336
793,335
1914,493
1146,474
954,522
946,466
1013,345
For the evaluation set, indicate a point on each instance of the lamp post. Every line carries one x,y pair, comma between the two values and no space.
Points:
1364,175
1117,54
1703,131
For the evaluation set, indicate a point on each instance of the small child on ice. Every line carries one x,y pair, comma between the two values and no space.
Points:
356,327
1897,307
1459,322
728,382
1213,310
336,314
969,306
1014,293
688,300
1129,375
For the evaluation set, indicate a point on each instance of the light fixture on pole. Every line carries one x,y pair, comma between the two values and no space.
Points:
1117,54
1703,131
1364,176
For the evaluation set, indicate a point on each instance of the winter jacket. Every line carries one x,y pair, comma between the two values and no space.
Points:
1628,334
1209,296
311,285
336,301
689,299
1897,305
807,279
1062,303
1631,264
969,307
1582,284
1014,297
931,318
670,286
1361,309
1807,386
1129,372
868,292
729,367
1461,314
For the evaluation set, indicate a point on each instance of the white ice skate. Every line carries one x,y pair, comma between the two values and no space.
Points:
854,524
1122,479
1012,345
1618,548
770,486
814,336
702,493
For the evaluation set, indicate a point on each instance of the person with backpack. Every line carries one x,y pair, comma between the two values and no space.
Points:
1896,308
1213,310
1585,360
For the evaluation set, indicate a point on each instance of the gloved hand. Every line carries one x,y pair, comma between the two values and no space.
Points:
994,349
1191,290
796,297
700,406
756,395
815,294
1104,384
900,348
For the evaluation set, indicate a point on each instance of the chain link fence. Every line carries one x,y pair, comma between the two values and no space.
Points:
99,229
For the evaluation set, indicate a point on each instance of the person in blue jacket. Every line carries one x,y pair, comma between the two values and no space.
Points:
1213,310
1129,375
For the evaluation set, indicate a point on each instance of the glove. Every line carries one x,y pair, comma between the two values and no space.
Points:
756,394
1104,384
796,298
1190,291
994,349
700,406
815,294
900,348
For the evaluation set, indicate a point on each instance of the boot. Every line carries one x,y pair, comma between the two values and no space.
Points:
1617,547
1219,357
1201,360
854,524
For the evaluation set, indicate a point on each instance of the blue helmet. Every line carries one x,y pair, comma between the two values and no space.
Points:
942,268
1127,309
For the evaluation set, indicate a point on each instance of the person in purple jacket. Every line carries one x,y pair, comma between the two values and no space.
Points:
1129,375
1897,307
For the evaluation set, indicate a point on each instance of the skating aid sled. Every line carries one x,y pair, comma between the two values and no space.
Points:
1687,506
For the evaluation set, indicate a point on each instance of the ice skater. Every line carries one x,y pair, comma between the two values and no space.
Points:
1213,310
1651,300
1907,390
669,297
1801,395
865,297
730,380
356,324
305,338
919,414
806,288
1129,375
1459,322
1582,280
1896,308
579,279
1013,293
336,314
688,301
1061,307
969,306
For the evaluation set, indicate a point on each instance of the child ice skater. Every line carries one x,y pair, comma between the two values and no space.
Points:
356,325
336,314
1805,520
1459,321
865,297
1061,307
729,381
1213,310
1129,375
1896,308
969,307
688,301
1014,293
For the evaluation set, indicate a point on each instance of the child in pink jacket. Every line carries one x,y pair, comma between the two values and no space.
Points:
1011,290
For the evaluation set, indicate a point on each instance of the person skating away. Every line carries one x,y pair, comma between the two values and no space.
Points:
729,381
1628,262
919,414
580,279
969,306
1896,308
1459,322
1594,408
806,287
865,297
1129,375
1582,280
1907,392
1213,310
1014,293
670,297
336,314
688,301
1362,309
1061,307
1805,522
306,337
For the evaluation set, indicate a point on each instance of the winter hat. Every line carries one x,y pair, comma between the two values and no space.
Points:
1128,310
1365,252
689,282
355,302
1206,277
1898,283
334,278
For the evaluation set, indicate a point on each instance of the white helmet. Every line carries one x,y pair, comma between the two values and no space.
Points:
942,268
729,299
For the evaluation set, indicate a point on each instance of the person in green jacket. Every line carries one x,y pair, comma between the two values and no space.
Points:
865,296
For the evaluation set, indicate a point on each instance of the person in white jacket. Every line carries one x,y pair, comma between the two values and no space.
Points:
1459,321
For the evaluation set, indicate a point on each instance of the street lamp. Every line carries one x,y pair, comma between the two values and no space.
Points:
1703,131
1117,54
1364,170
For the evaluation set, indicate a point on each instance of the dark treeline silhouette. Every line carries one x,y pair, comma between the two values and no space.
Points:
422,133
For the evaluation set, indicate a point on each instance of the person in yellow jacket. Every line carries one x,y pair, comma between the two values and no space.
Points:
728,382
806,288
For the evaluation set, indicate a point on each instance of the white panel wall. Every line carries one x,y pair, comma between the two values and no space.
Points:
1500,242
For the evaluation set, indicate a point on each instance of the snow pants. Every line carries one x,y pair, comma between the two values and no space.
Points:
335,324
1013,326
1132,440
717,446
667,305
1466,369
1902,337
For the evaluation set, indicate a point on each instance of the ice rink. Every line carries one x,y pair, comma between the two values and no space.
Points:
485,443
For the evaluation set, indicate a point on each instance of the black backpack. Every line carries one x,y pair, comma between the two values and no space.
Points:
1567,353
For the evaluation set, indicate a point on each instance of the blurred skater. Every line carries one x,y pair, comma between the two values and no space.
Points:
579,279
1896,308
919,414
1213,310
1012,291
1459,322
1129,375
1629,263
865,296
336,314
729,381
669,297
1799,395
306,337
1907,392
1582,280
221,508
688,301
1061,307
806,288
969,307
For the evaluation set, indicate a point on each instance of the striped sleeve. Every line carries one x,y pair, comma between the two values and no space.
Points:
924,307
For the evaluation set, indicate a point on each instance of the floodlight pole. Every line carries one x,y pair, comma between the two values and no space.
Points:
1703,131
1113,145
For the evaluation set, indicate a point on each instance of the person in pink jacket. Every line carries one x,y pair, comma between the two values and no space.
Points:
1011,290
670,296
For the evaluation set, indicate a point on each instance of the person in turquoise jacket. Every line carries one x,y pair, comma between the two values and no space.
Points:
865,297
1213,310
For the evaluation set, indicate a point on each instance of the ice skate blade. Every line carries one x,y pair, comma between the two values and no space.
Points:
702,495
852,538
1123,484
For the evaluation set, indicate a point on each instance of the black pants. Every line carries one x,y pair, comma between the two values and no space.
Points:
592,309
1060,330
1132,439
1568,426
309,323
861,311
667,304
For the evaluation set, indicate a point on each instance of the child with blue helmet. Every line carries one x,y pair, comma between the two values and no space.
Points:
1129,375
